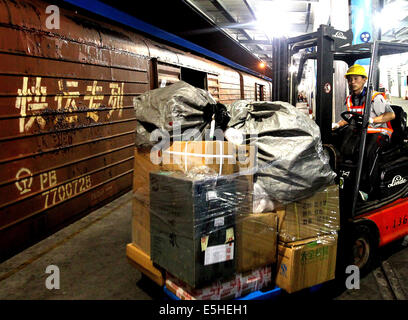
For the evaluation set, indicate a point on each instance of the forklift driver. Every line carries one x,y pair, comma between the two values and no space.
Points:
379,129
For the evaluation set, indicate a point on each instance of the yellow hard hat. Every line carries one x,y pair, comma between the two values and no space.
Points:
357,70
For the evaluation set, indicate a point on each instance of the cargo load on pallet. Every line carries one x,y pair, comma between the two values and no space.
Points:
202,229
214,212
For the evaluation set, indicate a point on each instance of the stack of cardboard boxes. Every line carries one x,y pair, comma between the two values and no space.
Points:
307,247
192,215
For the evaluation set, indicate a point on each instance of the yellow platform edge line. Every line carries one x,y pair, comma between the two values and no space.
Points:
141,261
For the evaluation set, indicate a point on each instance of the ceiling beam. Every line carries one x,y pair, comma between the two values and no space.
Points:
251,11
228,16
259,42
295,27
299,1
262,51
223,11
307,22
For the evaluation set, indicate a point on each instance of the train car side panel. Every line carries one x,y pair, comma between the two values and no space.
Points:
66,113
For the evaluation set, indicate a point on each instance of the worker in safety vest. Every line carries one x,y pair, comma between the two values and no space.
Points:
379,129
381,111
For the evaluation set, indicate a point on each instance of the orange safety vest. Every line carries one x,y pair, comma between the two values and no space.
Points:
360,110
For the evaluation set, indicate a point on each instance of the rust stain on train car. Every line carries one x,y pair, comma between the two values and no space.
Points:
66,118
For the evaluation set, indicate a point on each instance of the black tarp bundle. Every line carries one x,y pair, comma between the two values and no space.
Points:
175,109
292,163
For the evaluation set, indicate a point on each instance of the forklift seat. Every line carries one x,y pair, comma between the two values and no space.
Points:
399,125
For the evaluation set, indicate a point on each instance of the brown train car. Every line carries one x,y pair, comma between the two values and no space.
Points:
256,89
66,113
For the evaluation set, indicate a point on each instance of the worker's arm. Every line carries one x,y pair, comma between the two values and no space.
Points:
339,124
381,107
342,123
385,117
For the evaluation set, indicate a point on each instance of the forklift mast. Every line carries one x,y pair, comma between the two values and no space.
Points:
326,39
330,45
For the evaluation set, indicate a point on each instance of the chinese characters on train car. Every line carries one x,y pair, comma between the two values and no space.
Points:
33,100
35,106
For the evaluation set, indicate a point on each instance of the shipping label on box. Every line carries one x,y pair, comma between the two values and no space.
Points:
303,264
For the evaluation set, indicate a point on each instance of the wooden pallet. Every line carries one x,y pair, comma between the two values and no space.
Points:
141,261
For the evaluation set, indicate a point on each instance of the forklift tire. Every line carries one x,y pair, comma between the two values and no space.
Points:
364,248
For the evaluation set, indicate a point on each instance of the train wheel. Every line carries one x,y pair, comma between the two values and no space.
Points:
363,248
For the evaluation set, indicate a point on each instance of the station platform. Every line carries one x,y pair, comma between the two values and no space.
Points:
91,257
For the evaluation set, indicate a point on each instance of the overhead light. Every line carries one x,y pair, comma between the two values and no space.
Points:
272,18
391,16
262,65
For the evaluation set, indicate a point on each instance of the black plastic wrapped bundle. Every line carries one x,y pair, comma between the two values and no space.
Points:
171,111
292,164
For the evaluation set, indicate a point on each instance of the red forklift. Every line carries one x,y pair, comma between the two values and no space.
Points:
370,223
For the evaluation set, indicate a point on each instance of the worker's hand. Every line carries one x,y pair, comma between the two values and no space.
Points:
335,126
371,120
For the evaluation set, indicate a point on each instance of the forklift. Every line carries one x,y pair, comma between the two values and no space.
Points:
365,224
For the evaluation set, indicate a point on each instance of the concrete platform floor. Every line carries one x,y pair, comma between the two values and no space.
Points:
91,258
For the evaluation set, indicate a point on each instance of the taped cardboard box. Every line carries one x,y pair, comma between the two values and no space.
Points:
143,165
192,224
257,240
221,157
240,285
311,217
213,157
303,264
146,161
141,225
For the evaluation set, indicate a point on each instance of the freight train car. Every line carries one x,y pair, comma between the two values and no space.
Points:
66,112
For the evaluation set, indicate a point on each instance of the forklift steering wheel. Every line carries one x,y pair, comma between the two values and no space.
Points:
359,116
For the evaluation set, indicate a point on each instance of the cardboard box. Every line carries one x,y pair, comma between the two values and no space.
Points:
141,225
147,161
306,263
143,165
257,240
192,225
220,157
311,217
215,157
240,285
